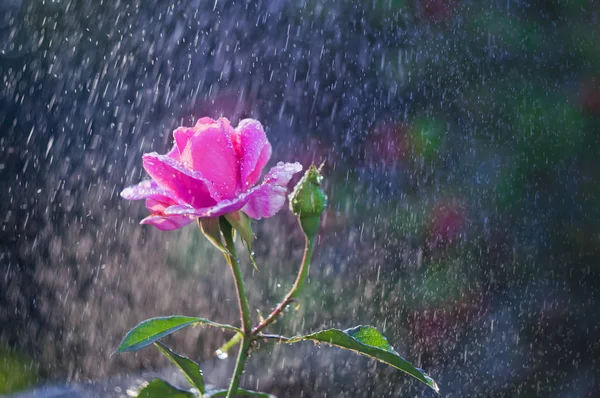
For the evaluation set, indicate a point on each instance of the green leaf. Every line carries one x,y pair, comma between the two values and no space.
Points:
158,388
153,329
190,369
210,229
240,393
366,340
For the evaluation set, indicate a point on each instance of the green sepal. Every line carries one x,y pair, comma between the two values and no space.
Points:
310,225
368,341
226,228
210,228
150,330
158,388
240,393
241,223
190,369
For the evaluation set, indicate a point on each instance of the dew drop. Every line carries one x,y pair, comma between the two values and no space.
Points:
222,355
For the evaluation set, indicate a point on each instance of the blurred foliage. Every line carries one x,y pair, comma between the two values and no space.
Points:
17,372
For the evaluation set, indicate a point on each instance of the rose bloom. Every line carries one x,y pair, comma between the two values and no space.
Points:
212,170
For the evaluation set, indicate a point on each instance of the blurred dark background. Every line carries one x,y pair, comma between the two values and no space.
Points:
462,144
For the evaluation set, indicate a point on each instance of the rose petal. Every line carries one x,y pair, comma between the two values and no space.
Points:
223,207
183,134
255,151
174,153
150,189
270,197
158,205
187,185
261,201
282,173
157,199
167,223
210,152
265,202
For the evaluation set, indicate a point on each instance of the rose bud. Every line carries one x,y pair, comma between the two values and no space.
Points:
308,200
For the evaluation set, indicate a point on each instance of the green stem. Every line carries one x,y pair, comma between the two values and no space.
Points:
244,310
239,367
302,274
232,342
304,268
239,283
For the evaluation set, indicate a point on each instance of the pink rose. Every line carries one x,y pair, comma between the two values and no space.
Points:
212,170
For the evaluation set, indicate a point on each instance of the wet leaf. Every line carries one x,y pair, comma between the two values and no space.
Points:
158,388
190,369
368,341
153,329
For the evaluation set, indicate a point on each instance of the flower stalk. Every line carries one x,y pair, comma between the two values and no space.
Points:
239,367
298,284
307,202
231,258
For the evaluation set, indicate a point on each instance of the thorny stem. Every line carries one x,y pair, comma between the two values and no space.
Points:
239,367
302,274
249,334
278,338
244,314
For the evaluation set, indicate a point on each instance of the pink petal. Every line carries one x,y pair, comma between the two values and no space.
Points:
263,200
269,198
166,222
158,205
174,153
157,200
181,136
282,173
211,153
223,207
255,151
187,185
150,189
